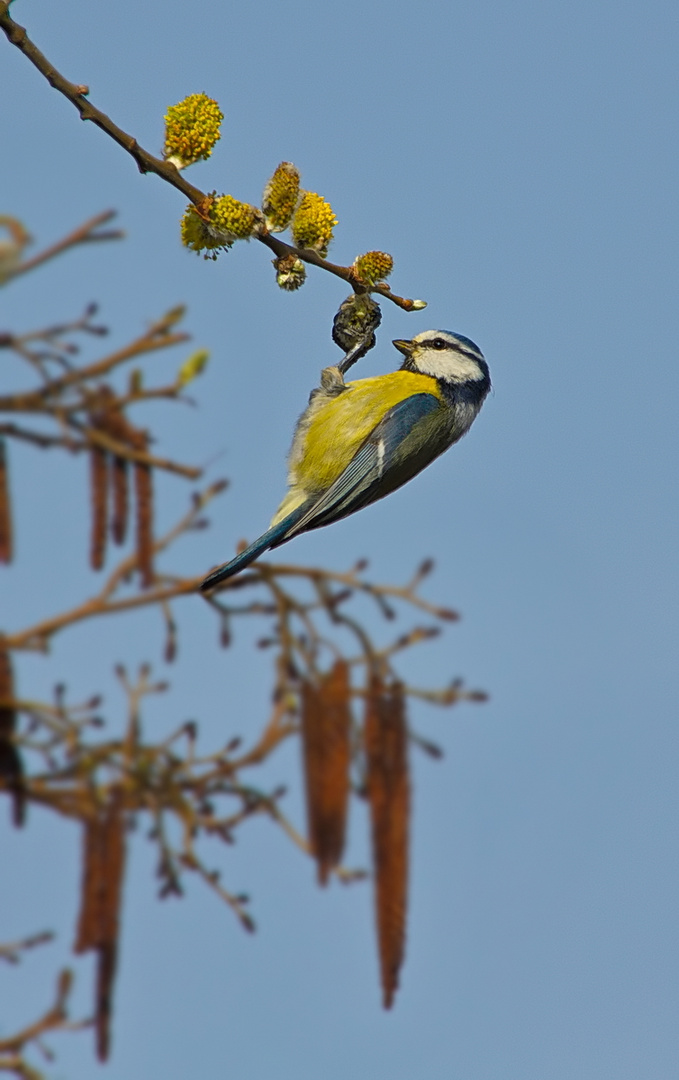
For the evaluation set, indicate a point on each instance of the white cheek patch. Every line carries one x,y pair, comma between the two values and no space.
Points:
449,364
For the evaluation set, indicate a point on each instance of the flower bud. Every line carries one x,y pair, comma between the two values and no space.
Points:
290,272
193,366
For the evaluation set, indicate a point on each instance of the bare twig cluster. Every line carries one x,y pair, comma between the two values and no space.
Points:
107,783
76,408
347,704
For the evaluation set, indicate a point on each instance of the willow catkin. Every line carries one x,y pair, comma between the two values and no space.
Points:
113,866
121,499
143,485
99,485
326,730
120,486
5,507
101,893
87,933
119,429
103,863
386,747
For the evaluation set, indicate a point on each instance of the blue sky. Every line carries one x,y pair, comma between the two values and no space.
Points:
520,163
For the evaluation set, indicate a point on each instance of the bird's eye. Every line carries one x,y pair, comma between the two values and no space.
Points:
439,343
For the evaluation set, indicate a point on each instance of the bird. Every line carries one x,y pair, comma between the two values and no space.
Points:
358,441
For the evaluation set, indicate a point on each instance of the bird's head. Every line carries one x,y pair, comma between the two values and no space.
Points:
451,358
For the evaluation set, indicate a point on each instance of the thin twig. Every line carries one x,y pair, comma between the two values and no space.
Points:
11,951
349,578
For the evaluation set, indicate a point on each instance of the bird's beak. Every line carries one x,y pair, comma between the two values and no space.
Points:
406,347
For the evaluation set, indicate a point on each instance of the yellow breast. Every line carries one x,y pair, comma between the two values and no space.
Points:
333,428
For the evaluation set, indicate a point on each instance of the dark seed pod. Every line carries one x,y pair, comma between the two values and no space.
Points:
354,326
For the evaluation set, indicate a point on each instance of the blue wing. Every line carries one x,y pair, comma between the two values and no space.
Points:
388,458
377,468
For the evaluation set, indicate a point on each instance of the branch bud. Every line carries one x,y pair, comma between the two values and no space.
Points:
193,366
11,250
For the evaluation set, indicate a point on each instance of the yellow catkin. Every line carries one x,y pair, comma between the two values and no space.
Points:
234,218
191,130
280,197
197,235
373,266
313,223
220,221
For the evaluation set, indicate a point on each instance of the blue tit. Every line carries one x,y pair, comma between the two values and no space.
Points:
358,441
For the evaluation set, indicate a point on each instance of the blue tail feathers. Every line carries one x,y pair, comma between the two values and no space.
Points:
269,539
